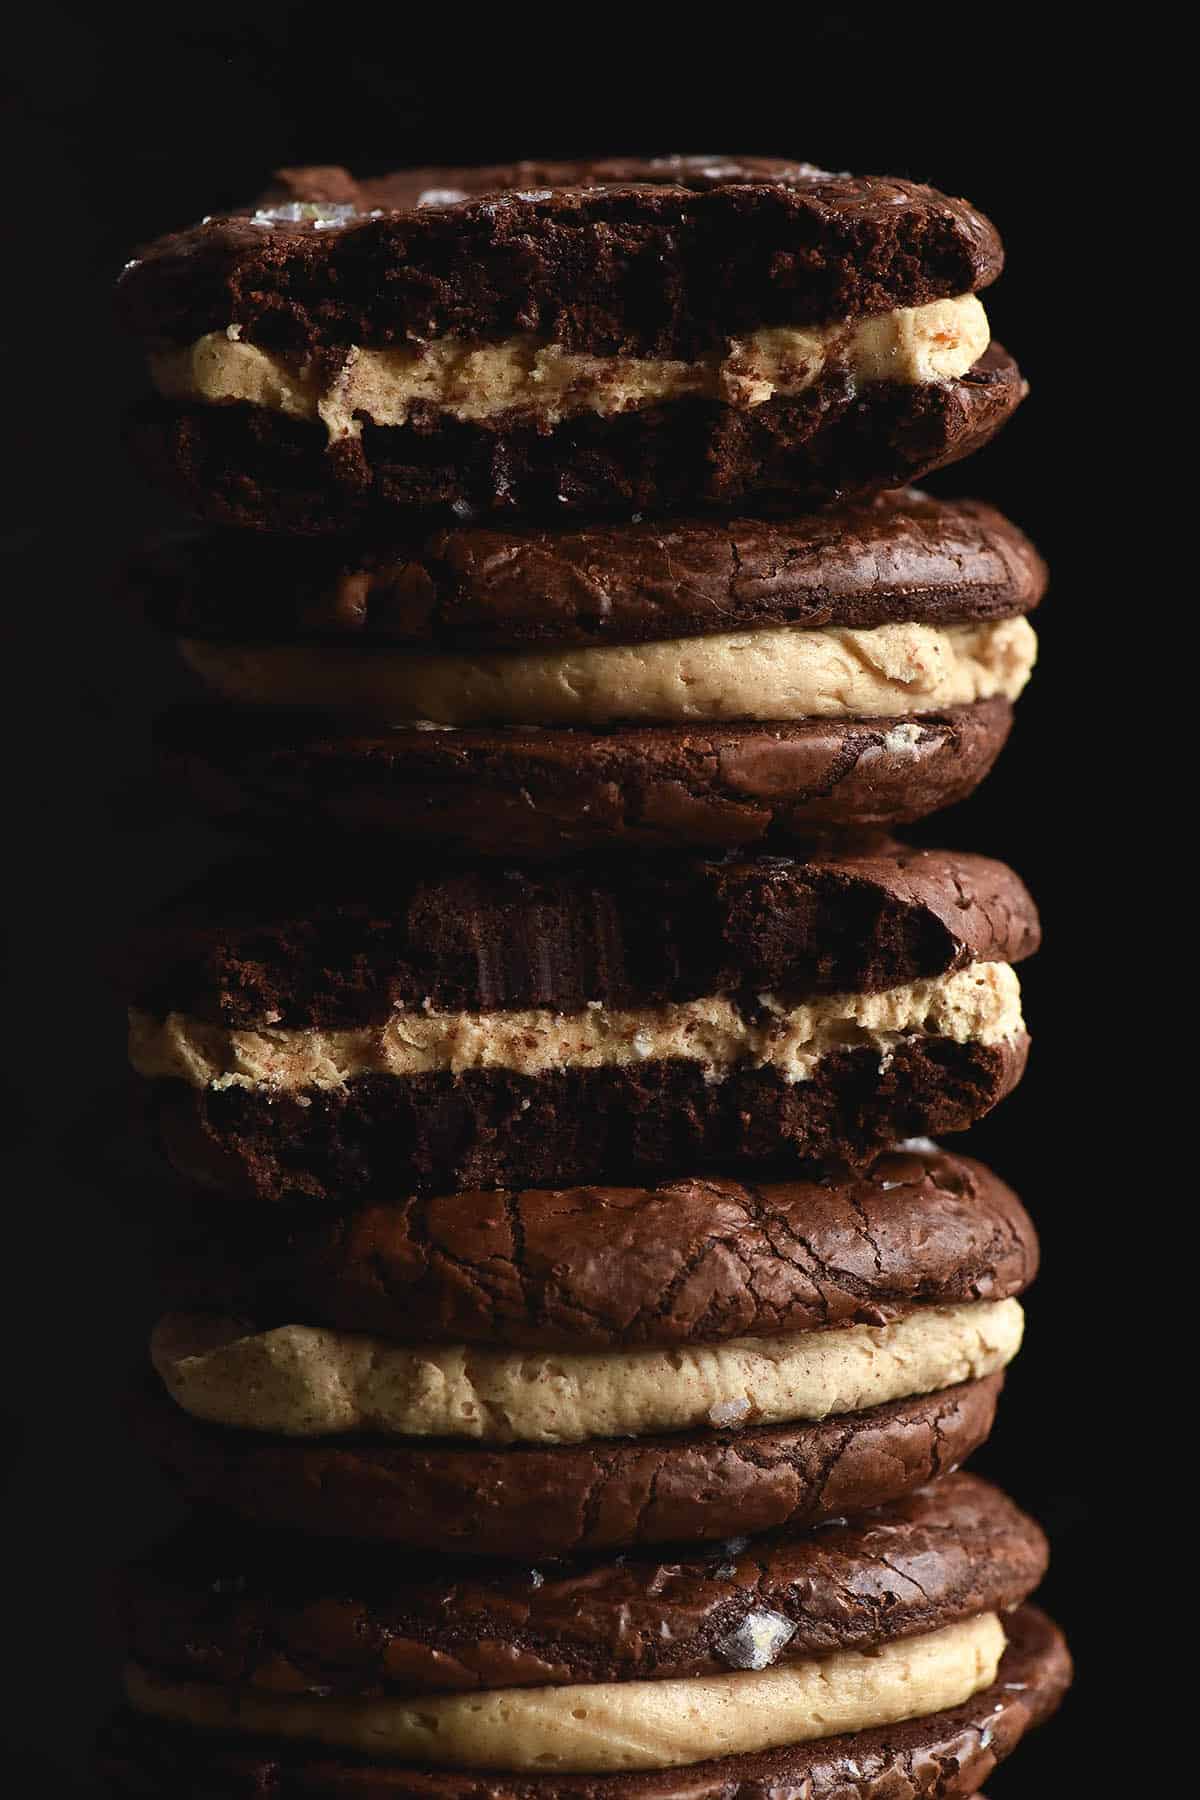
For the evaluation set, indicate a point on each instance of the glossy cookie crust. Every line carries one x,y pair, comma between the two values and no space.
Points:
276,1615
700,1259
902,556
561,1500
542,794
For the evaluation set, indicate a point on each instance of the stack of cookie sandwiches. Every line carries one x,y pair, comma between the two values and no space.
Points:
571,1331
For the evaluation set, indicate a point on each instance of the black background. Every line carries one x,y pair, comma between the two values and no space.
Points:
124,124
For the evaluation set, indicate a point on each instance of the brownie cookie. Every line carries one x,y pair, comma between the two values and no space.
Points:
478,253
903,556
272,1614
543,793
585,1668
605,336
498,1027
698,683
595,1268
539,1500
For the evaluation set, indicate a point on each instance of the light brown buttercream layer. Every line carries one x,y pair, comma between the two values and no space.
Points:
603,1728
475,381
309,1381
978,1004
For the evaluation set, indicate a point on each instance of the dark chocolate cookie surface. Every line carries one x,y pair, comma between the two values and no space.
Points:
663,257
548,793
262,943
535,1502
247,1609
946,1756
904,556
694,1260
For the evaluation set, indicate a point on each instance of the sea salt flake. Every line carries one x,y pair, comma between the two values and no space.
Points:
757,1641
728,1412
322,214
902,737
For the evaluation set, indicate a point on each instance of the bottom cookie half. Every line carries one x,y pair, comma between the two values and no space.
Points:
560,1499
546,792
943,1756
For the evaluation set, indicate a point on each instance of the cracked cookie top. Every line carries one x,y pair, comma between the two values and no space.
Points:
901,557
242,1609
697,1259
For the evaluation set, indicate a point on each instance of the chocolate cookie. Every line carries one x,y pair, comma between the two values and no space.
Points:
281,1615
897,557
734,243
289,943
509,1028
945,1755
537,1501
703,1259
546,793
563,345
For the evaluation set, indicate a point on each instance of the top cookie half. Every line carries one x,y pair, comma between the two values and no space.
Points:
565,337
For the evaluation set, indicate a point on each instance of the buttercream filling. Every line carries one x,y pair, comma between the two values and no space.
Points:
471,381
306,1381
601,1728
978,1004
776,672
